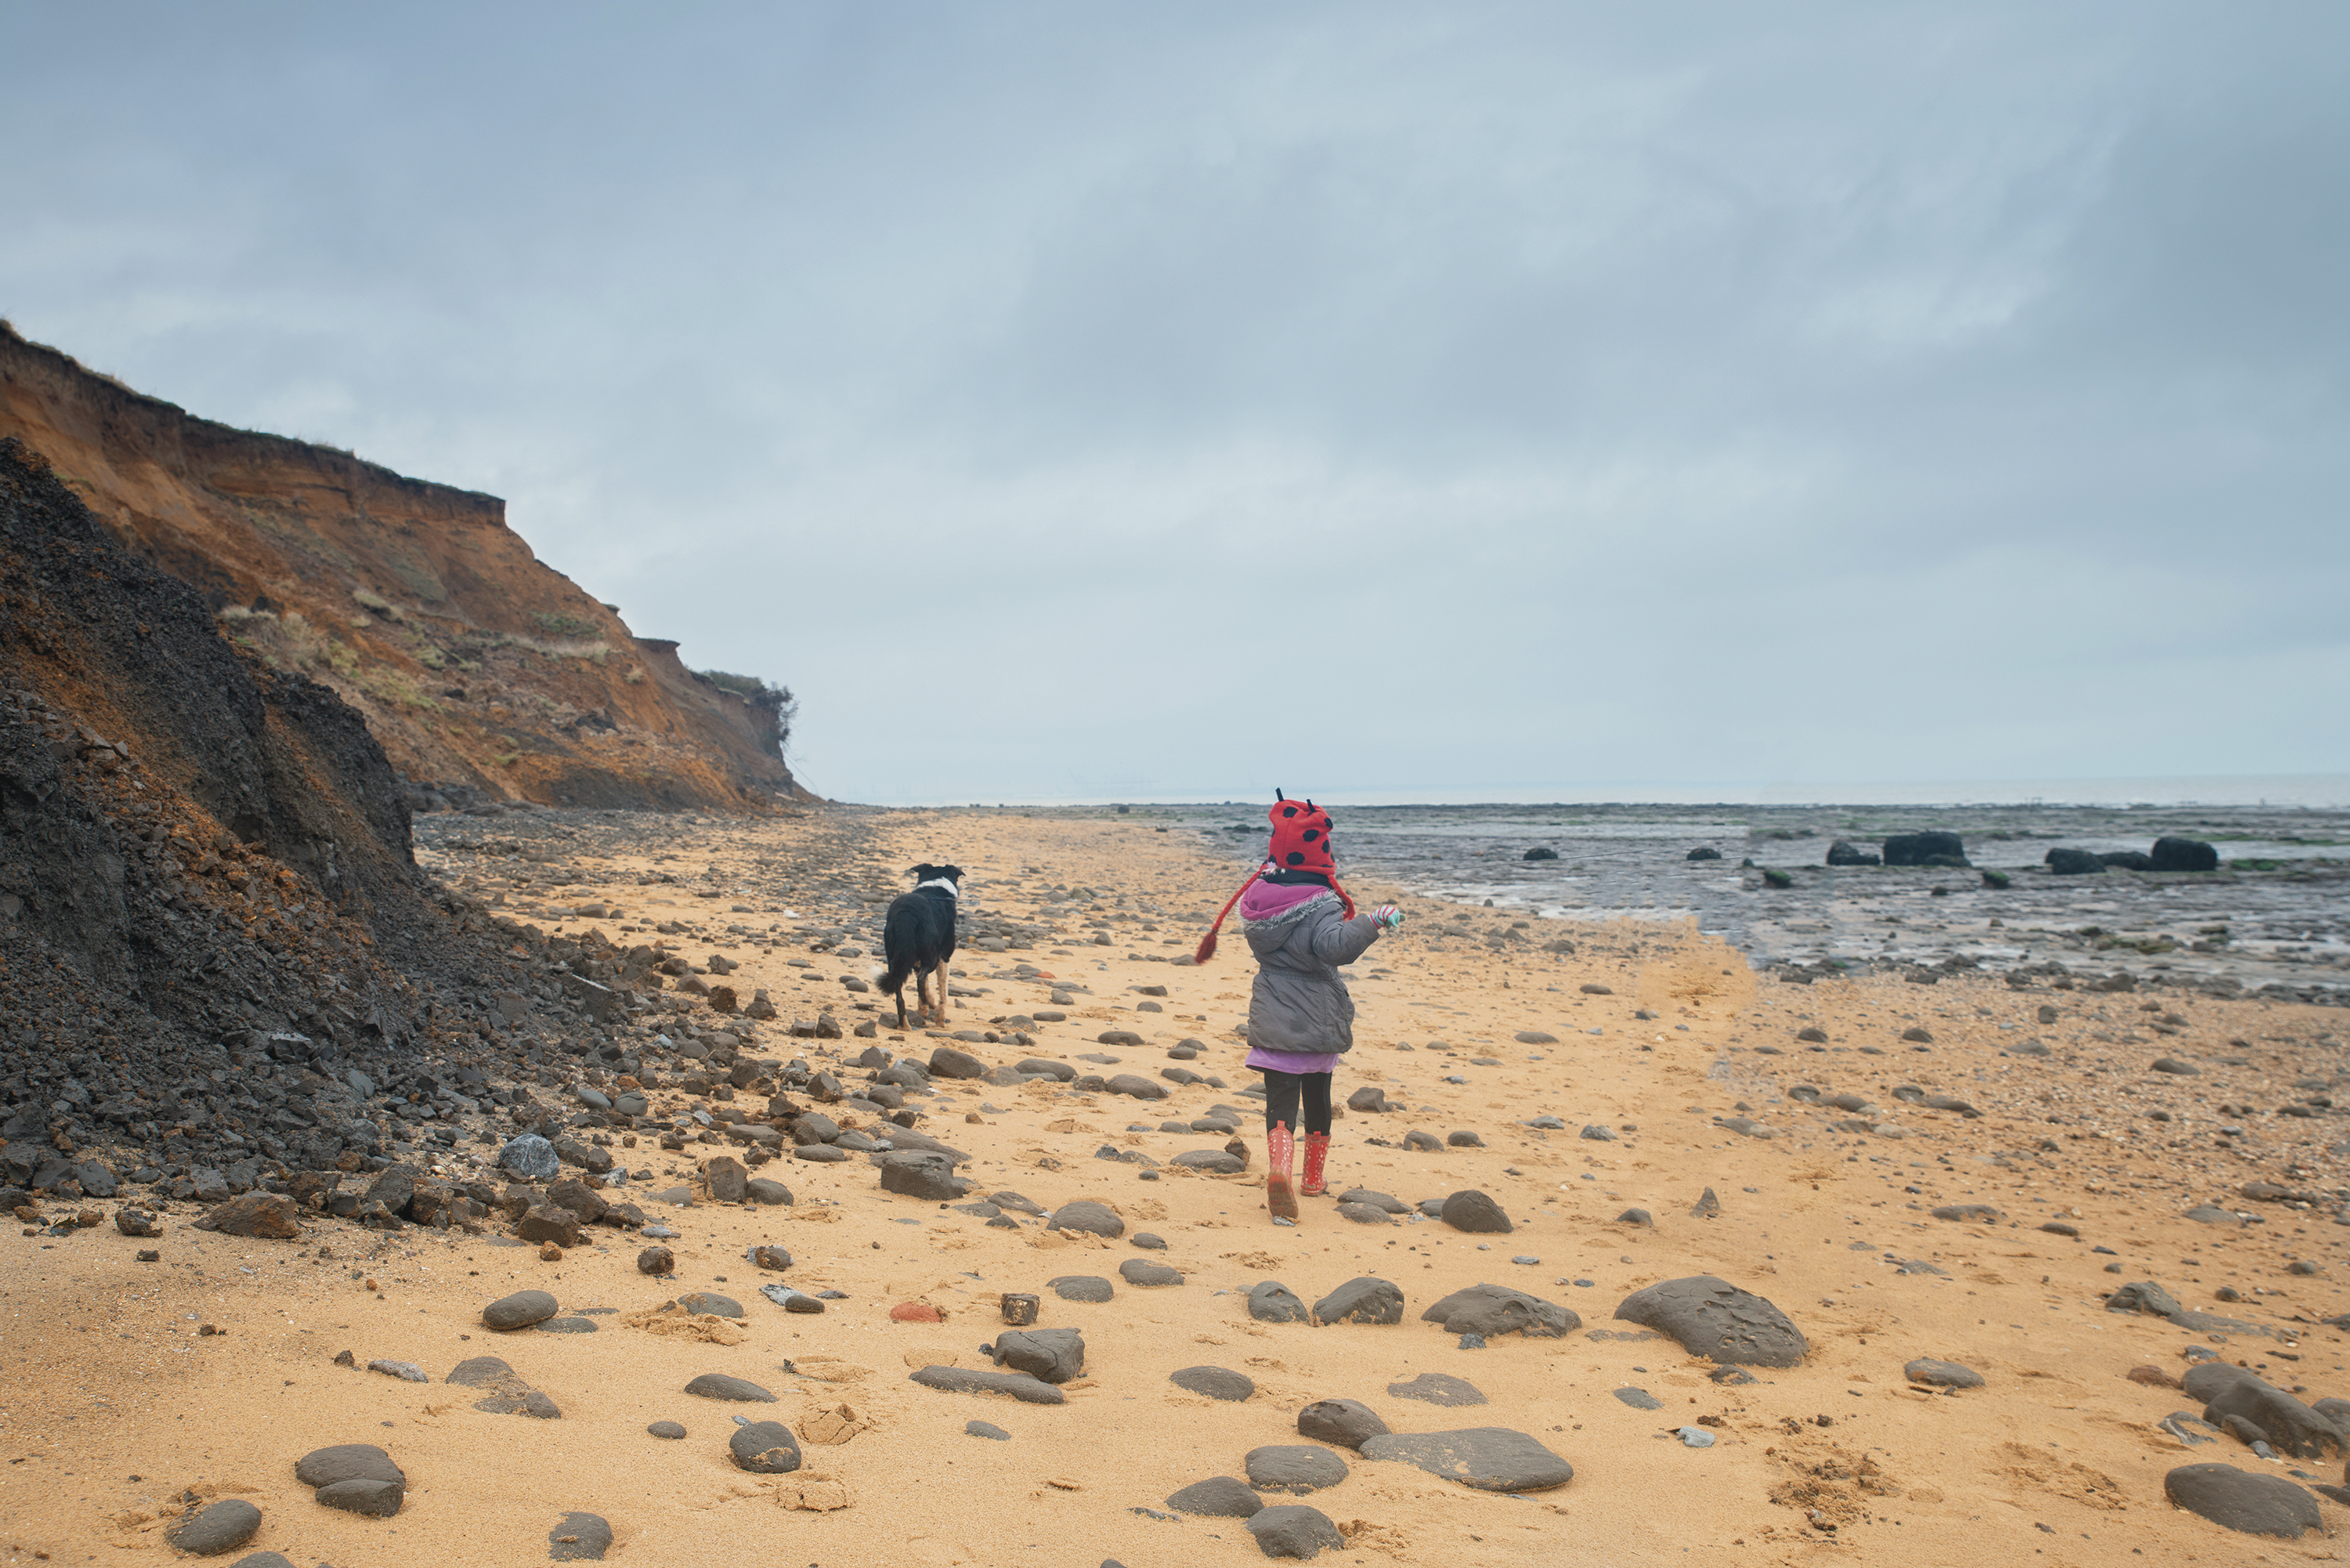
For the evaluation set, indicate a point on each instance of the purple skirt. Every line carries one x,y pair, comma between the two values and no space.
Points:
1293,1061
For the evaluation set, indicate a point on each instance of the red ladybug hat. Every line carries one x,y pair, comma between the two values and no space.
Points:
1301,837
1301,842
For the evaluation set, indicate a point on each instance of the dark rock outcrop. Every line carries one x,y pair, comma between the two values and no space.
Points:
1926,849
2172,854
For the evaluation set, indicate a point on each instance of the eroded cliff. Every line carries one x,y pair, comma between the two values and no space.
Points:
474,662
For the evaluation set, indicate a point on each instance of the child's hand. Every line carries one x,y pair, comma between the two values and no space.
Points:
1387,916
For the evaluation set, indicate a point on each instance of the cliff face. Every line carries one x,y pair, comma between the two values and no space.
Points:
474,662
217,952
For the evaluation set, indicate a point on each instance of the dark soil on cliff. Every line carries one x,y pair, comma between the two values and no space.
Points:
216,950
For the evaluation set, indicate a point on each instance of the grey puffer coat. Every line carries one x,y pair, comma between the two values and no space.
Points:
1299,1003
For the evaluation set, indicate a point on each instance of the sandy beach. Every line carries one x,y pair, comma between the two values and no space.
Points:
1632,1068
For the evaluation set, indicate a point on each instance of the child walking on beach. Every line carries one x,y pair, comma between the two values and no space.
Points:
1302,926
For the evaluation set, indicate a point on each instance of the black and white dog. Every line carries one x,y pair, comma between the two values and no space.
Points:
918,937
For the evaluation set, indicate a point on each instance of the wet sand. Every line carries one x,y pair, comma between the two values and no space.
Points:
119,1403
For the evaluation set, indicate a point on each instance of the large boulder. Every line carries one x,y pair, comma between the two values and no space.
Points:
1049,1355
720,1386
1294,1467
2074,863
223,1527
1437,1388
1475,1212
2184,855
765,1448
1363,1299
1925,849
726,1178
2292,1428
579,1538
2244,1500
503,1393
2144,1296
579,1198
963,1380
907,1137
920,1173
346,1461
946,1062
549,1222
1938,1374
1349,1423
1270,1301
1143,1273
1845,852
1491,1309
2127,861
591,1157
1084,1214
1215,1383
1218,1497
393,1187
1293,1530
1491,1459
374,1499
529,1157
269,1215
2207,1380
519,1310
1709,1317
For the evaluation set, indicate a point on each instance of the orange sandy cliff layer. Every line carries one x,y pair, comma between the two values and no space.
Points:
474,661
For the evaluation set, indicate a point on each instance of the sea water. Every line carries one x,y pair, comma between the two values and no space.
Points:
2277,913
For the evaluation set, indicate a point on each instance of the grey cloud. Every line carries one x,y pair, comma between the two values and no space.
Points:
1523,395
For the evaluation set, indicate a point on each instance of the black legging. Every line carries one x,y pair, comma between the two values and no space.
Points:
1281,1095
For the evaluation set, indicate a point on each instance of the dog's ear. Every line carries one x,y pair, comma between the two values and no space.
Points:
919,873
951,873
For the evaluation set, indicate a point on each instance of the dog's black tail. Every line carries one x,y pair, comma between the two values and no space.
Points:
901,944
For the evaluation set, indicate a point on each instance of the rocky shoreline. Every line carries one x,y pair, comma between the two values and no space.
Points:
1617,1222
2272,918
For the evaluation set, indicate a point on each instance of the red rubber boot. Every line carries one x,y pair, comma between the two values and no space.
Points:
1318,1148
1280,1149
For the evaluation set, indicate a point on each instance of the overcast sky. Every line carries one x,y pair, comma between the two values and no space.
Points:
1400,401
